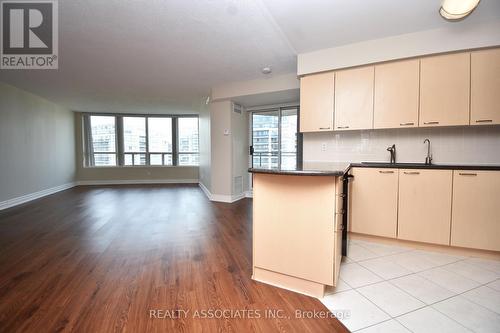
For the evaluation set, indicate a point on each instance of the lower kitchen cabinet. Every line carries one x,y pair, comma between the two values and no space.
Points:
374,201
425,205
476,210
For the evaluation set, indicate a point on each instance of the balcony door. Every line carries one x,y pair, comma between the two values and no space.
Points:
275,138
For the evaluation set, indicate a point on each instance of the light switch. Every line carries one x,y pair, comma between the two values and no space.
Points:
226,132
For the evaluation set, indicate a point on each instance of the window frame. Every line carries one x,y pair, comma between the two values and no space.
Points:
119,141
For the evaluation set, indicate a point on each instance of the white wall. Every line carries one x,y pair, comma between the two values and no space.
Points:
37,144
205,168
239,131
228,153
269,84
455,37
221,148
466,145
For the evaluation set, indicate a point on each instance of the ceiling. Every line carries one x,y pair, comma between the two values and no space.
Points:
317,24
164,55
153,55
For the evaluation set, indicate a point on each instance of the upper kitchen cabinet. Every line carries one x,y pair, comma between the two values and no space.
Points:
445,90
354,98
485,87
316,102
396,94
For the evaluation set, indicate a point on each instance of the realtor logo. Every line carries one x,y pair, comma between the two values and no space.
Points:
29,35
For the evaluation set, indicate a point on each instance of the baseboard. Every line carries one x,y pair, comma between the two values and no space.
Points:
206,191
135,182
33,196
221,197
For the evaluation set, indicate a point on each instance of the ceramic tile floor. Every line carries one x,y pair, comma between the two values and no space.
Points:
388,288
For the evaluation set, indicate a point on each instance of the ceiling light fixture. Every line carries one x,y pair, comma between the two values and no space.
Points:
455,10
267,70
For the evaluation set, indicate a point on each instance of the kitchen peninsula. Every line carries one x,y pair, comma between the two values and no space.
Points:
297,226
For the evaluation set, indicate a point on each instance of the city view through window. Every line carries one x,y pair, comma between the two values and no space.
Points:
274,138
145,141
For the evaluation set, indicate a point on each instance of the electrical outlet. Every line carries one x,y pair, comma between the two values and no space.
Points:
323,146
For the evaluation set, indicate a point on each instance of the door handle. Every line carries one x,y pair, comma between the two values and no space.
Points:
431,122
467,174
380,171
484,121
411,173
341,127
407,124
324,128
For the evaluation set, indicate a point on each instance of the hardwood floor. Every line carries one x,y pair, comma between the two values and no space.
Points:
100,259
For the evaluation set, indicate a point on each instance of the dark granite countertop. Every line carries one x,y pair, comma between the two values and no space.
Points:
424,166
308,169
340,168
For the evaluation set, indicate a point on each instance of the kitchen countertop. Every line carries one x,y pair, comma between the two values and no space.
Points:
340,168
308,169
424,166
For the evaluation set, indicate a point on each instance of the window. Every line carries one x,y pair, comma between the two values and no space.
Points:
188,141
275,138
141,140
103,140
134,140
160,141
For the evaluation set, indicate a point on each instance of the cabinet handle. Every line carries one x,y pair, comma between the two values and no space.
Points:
484,121
431,122
380,171
412,173
467,174
324,128
340,127
406,124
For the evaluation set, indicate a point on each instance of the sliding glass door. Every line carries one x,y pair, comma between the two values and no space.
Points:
275,138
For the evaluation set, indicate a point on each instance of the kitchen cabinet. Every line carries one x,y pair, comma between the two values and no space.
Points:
396,94
476,212
485,87
297,234
316,102
374,201
445,90
354,98
425,205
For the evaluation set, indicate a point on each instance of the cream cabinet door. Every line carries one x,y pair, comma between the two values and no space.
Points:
354,98
374,201
445,90
476,211
485,87
396,94
316,102
425,205
294,226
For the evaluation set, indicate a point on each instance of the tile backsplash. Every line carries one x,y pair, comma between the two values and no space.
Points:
467,145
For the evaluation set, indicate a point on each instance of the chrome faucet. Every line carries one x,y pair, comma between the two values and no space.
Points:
392,150
428,159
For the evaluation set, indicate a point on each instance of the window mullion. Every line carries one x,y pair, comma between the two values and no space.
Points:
175,131
120,141
148,158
